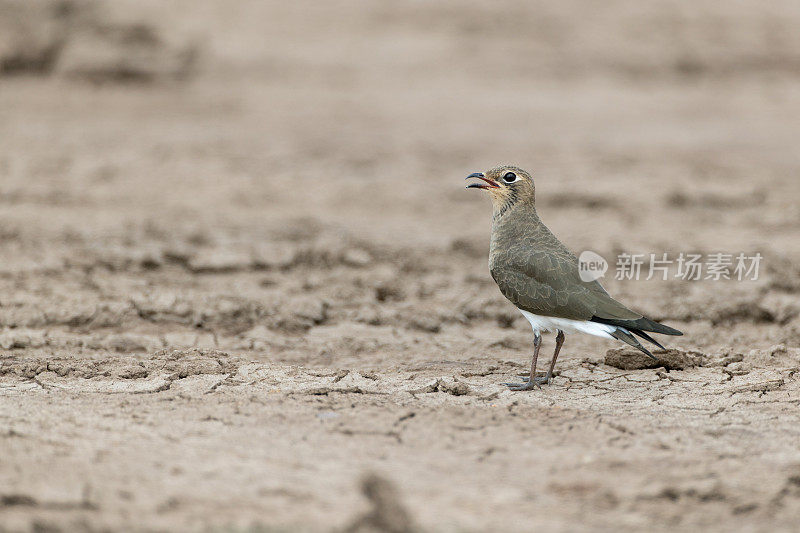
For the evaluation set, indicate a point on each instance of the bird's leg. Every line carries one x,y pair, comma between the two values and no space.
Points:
549,375
531,383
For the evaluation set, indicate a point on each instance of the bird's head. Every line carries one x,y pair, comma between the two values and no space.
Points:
506,185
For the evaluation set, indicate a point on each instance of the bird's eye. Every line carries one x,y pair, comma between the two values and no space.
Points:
510,177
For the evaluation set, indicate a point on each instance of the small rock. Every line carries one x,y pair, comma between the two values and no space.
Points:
456,388
632,359
132,372
737,369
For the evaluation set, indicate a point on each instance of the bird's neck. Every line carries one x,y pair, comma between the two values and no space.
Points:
516,219
501,205
509,207
519,226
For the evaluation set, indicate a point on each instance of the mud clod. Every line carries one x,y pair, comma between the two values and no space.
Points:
388,514
672,359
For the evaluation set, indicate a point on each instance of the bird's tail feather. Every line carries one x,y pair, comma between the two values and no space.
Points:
646,337
641,324
625,336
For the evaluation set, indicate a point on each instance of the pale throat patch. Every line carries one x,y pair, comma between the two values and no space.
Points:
567,325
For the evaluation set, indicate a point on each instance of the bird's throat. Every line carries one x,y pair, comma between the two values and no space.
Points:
503,203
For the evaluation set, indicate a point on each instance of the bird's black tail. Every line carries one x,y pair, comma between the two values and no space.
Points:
625,336
647,337
639,325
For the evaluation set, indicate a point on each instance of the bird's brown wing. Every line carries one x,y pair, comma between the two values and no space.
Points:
538,274
547,283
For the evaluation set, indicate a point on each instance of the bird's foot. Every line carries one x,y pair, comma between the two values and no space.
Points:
528,385
542,379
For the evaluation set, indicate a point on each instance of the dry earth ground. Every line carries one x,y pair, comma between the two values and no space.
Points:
242,287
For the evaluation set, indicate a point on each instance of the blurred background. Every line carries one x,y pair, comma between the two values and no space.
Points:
365,115
283,182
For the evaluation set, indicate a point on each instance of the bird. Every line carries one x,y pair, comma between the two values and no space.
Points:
541,276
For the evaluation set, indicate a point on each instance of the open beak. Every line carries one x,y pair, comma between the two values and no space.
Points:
490,183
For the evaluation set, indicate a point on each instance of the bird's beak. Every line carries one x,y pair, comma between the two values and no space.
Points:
490,183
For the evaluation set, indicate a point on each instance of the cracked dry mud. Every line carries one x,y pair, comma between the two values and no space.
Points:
258,299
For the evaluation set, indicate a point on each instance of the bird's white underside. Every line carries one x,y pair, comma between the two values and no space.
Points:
550,323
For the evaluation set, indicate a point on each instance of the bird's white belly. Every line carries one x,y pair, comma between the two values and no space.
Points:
567,325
